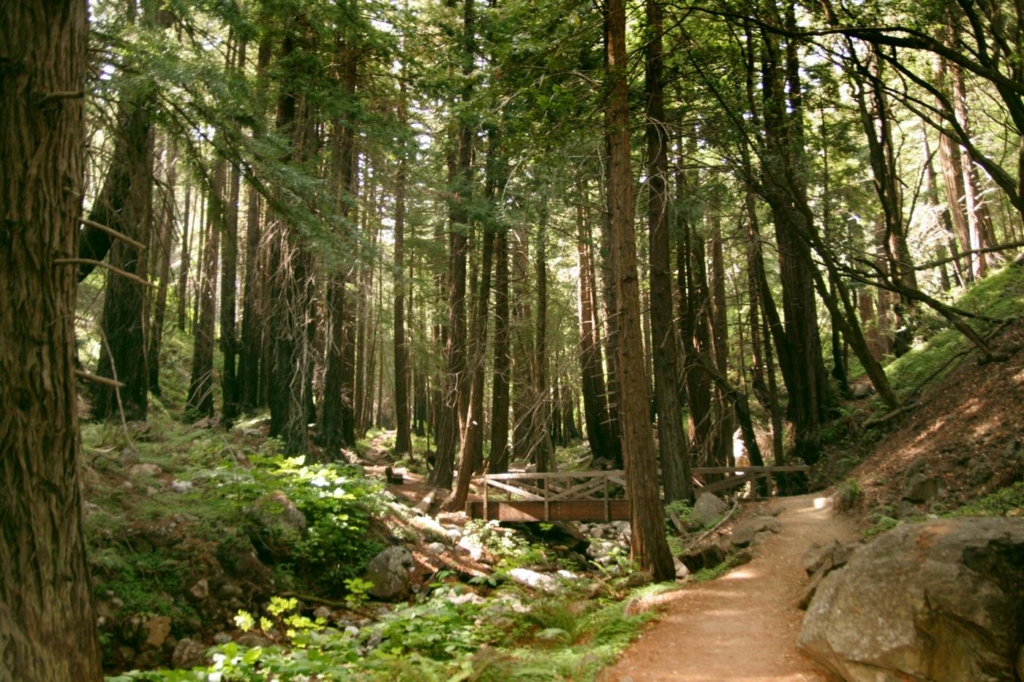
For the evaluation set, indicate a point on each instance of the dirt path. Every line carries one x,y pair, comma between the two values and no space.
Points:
743,626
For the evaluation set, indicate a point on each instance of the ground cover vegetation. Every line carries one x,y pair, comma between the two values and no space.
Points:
241,240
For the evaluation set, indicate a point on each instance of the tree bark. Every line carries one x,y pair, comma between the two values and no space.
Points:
162,246
200,390
47,625
648,543
674,454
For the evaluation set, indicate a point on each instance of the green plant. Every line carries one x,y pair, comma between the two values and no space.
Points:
882,523
358,592
1003,502
847,494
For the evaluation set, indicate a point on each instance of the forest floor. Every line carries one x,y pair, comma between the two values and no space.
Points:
744,625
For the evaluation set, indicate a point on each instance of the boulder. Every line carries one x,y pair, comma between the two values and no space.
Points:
920,488
534,580
188,653
708,509
156,630
277,514
747,529
389,573
708,557
144,470
940,600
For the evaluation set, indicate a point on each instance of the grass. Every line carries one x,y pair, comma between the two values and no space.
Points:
1000,295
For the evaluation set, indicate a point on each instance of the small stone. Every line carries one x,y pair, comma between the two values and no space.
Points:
201,590
920,488
745,531
681,570
181,486
253,639
144,470
351,631
222,638
471,546
454,533
128,457
157,629
708,509
436,548
639,579
230,590
322,612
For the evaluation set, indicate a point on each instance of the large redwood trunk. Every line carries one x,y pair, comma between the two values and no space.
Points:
674,454
648,544
47,626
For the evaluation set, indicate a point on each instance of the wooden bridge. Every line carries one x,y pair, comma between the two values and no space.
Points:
586,495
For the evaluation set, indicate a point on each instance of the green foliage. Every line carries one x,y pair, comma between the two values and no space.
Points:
1000,295
847,494
715,572
881,522
1004,502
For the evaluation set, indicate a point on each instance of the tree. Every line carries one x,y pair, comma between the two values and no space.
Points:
47,627
648,544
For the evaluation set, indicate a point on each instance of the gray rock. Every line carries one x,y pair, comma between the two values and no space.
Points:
389,573
470,544
831,555
128,457
351,631
939,600
533,580
423,506
436,548
201,590
322,612
745,531
156,630
181,486
681,570
861,391
188,653
144,470
221,638
275,511
253,639
920,488
708,509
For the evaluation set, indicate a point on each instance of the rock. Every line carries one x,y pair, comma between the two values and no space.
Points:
681,570
230,590
1018,260
423,506
128,457
322,612
181,486
639,579
278,516
436,548
188,653
470,544
920,488
861,391
201,590
144,470
744,532
156,630
709,557
453,533
428,526
939,600
832,555
351,631
389,573
221,638
708,509
252,639
533,580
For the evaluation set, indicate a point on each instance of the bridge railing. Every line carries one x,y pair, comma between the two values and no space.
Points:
586,495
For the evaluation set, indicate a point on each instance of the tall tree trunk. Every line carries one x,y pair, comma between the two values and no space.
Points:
185,258
648,544
229,284
455,381
521,339
403,428
673,451
47,626
125,204
595,409
725,424
336,428
543,452
163,242
498,461
200,390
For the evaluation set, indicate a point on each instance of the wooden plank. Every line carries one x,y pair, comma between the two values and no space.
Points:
580,492
555,475
513,490
751,469
569,510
